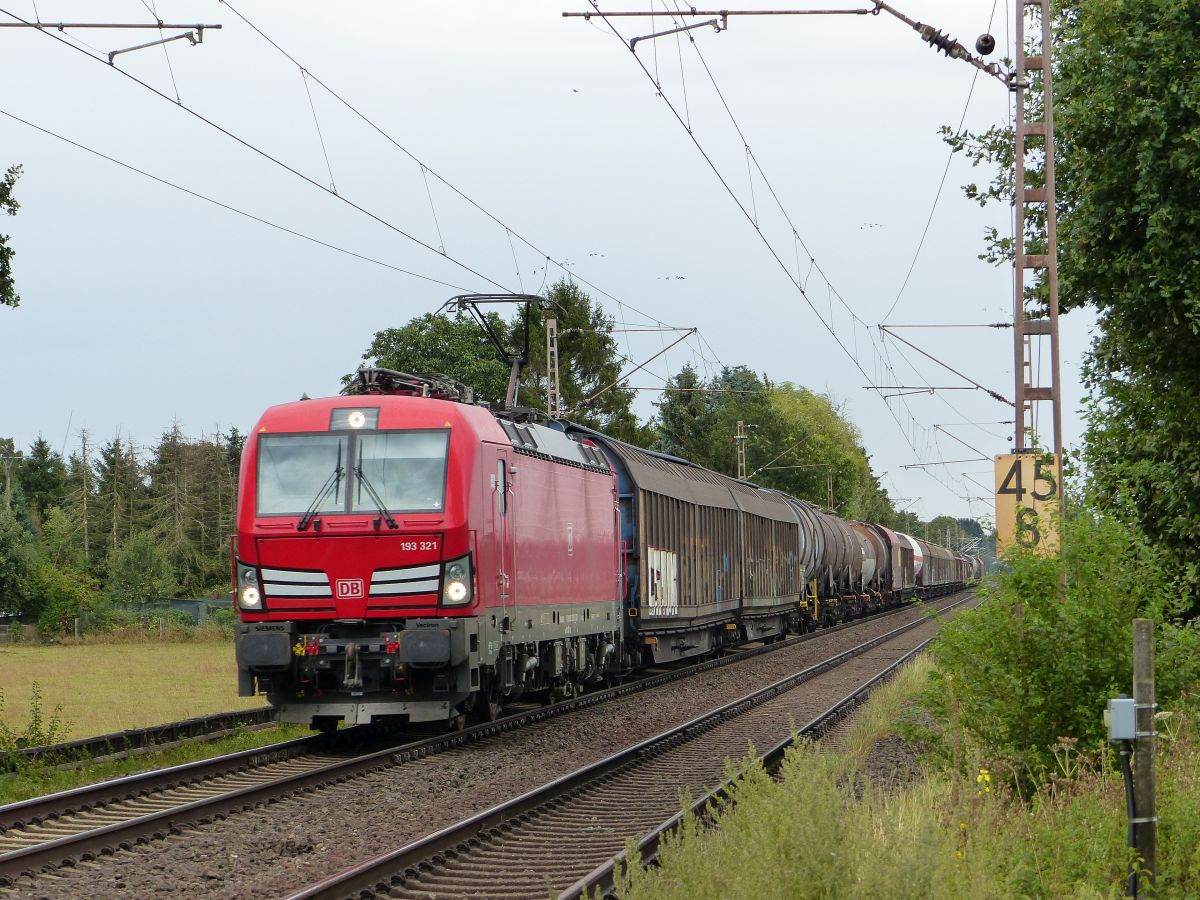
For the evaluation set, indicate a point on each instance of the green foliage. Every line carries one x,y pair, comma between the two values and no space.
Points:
120,497
698,422
37,780
825,830
796,439
16,564
835,825
61,596
43,476
191,499
1128,204
62,543
1131,249
9,204
590,363
139,571
456,347
40,730
1033,664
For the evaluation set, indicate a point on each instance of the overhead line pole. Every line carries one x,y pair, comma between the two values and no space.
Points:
1027,329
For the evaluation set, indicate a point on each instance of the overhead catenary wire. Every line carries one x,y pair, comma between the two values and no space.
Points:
227,207
427,171
367,120
320,135
746,213
831,290
152,8
280,163
263,153
941,184
856,320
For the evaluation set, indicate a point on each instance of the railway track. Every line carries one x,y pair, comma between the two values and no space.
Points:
121,744
563,836
96,820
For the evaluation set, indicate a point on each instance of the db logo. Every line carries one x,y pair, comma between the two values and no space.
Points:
349,588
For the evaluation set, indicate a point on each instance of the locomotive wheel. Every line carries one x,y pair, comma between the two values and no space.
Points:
487,710
485,707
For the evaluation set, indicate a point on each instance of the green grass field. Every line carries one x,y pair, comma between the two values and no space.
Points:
109,687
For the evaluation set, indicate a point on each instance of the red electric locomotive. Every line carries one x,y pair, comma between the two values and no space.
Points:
381,540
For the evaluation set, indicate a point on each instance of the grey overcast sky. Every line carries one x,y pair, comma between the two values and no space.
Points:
143,304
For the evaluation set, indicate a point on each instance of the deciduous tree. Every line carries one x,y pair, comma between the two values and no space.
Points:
9,204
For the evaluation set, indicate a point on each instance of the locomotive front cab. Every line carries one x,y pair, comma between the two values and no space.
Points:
354,570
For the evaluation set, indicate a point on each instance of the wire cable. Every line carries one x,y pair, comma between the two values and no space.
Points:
426,171
228,208
263,153
431,171
153,10
942,184
766,242
799,242
320,136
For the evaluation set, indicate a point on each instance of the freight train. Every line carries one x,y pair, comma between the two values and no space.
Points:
404,553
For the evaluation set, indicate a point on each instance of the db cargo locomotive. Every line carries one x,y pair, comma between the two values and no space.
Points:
402,552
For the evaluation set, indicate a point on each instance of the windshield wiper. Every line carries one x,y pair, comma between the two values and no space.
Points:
365,482
331,484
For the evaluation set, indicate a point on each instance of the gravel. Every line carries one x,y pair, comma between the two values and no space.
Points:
298,840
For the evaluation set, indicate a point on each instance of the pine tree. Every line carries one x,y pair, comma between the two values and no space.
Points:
43,476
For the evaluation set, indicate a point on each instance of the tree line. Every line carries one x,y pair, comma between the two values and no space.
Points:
113,525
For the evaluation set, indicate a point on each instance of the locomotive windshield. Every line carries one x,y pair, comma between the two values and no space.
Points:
293,469
406,469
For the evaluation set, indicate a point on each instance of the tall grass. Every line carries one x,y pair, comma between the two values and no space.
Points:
824,830
103,688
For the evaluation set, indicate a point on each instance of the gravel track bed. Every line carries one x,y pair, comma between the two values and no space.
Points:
298,840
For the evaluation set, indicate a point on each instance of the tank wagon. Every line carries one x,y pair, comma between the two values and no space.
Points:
403,553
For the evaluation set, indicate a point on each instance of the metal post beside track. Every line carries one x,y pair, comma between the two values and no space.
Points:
1146,834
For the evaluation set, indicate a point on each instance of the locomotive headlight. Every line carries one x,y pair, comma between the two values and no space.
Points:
456,582
248,593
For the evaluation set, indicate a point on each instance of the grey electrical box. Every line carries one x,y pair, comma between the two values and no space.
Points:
1122,719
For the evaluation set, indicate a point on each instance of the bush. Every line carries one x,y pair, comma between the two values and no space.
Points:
139,572
16,564
63,595
40,729
1034,664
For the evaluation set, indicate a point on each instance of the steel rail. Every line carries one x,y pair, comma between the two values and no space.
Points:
377,876
95,841
119,744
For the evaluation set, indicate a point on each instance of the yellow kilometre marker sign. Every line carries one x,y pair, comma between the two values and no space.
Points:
1027,512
